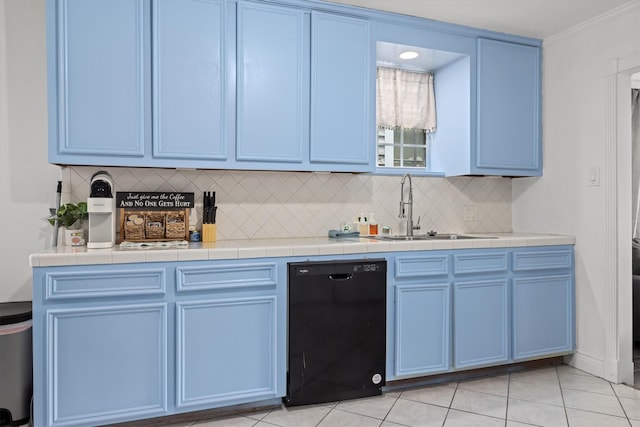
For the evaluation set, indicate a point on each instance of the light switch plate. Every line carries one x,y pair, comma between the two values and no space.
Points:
594,177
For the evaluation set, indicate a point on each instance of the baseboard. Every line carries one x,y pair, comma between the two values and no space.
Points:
470,374
189,418
586,363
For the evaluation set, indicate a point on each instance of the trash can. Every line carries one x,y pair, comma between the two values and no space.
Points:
16,365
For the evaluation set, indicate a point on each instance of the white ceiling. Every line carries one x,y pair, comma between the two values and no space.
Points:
388,54
531,18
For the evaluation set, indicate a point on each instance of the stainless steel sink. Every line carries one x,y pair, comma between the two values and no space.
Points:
443,236
399,237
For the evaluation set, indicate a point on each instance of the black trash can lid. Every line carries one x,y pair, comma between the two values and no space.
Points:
14,312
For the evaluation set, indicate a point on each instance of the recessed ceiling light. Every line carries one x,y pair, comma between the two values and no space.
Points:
409,54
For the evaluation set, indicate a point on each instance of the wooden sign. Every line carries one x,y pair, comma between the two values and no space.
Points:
154,200
153,216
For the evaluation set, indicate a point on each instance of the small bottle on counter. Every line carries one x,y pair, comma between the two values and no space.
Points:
373,225
363,225
194,235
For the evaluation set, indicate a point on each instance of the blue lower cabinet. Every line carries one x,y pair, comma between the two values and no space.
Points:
423,329
481,327
226,351
473,308
106,364
543,316
116,343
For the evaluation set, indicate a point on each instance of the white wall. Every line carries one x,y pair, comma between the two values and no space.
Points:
27,181
574,135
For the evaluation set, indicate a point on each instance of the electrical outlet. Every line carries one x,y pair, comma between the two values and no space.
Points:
470,213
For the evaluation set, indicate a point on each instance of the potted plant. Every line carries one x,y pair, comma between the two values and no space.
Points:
71,217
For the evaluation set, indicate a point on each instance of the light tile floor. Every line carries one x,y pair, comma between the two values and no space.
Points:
551,396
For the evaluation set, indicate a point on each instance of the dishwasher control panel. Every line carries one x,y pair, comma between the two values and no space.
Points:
324,268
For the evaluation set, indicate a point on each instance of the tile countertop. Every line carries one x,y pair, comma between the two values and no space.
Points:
233,249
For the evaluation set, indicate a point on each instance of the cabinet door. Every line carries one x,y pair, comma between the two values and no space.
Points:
106,364
423,328
97,80
508,109
340,91
543,322
480,320
272,84
226,351
188,76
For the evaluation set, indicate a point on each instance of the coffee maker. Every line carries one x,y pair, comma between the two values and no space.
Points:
101,206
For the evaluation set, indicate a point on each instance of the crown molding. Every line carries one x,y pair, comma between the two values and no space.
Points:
623,9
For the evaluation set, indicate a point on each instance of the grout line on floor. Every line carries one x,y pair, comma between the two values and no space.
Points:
564,405
394,404
506,411
451,402
624,411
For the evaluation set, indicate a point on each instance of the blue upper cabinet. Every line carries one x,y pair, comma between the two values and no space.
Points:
283,85
137,83
188,84
97,79
272,84
341,82
295,110
508,138
487,102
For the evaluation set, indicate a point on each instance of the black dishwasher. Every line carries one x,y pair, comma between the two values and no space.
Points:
336,330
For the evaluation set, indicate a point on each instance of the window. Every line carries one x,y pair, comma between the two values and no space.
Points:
402,148
405,116
410,131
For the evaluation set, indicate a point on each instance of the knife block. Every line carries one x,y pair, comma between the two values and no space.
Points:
208,233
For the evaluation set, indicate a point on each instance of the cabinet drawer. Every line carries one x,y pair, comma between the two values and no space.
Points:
433,265
226,277
542,260
480,263
105,283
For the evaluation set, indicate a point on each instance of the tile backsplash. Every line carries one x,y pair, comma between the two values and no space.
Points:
261,205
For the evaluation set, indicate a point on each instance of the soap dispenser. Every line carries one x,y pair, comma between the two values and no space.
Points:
373,225
363,225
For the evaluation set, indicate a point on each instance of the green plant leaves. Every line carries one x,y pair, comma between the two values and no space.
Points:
69,213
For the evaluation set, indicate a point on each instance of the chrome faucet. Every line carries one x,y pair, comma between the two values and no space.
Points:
409,203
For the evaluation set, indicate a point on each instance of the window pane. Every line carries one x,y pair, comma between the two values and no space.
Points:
397,136
415,138
409,148
421,156
397,156
409,156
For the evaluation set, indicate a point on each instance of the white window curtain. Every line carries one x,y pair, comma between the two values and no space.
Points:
405,99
